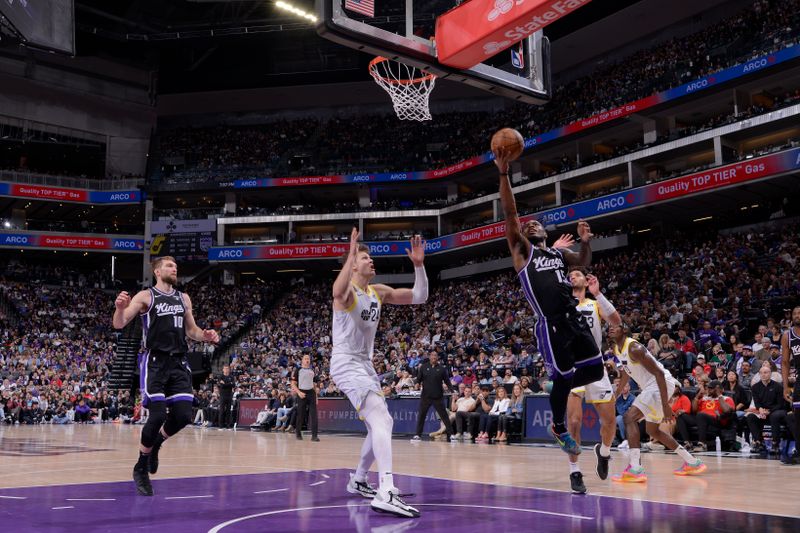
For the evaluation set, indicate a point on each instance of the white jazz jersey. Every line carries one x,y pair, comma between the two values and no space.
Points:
591,312
600,391
354,328
639,373
353,344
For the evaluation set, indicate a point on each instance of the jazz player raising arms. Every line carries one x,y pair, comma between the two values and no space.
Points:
571,355
165,376
356,314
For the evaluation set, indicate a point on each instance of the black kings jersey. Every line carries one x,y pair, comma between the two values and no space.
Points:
794,349
163,322
546,284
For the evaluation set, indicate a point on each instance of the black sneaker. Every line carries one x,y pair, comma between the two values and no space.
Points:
576,482
602,463
142,480
314,439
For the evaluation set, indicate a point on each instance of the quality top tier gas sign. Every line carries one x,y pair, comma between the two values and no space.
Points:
63,194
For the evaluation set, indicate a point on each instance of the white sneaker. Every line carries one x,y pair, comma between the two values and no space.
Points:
416,439
623,445
657,446
388,501
359,487
466,437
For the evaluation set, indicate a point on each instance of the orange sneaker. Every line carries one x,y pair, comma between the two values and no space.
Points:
631,475
691,470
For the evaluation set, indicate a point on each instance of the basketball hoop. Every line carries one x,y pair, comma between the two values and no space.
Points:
409,87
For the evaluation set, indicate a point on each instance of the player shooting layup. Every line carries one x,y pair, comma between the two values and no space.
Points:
571,356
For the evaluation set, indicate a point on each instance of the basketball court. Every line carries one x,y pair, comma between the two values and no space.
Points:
77,478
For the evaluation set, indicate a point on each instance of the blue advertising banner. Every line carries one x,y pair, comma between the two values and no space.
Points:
539,418
698,182
630,108
338,414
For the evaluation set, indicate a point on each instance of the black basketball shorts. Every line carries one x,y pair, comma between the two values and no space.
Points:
165,377
566,344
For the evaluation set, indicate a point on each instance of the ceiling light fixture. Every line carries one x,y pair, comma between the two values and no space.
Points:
295,11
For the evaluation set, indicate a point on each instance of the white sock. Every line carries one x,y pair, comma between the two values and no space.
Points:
574,467
605,451
685,455
636,457
387,481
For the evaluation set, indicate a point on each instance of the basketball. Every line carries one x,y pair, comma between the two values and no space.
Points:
510,140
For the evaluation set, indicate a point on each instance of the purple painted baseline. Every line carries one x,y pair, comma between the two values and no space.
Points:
445,506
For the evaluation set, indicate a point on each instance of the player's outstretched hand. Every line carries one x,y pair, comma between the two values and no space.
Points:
669,416
209,335
354,242
123,301
417,251
501,160
565,241
593,284
584,231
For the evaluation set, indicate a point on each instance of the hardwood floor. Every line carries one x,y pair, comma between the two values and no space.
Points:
59,455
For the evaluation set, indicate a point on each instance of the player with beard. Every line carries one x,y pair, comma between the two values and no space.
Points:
165,375
599,394
790,358
356,315
570,354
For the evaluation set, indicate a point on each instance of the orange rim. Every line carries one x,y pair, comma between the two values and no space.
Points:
374,73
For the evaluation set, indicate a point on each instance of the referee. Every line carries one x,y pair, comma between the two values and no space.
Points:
432,376
226,384
303,379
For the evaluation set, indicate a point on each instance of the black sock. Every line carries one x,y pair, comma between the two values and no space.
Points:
558,402
143,460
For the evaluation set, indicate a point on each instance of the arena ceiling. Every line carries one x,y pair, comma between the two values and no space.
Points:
206,45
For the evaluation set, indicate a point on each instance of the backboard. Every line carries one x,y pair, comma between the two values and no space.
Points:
403,30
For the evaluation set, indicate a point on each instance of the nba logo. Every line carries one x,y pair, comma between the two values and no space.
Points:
518,58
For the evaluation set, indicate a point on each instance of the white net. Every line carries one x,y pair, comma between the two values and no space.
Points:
409,87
